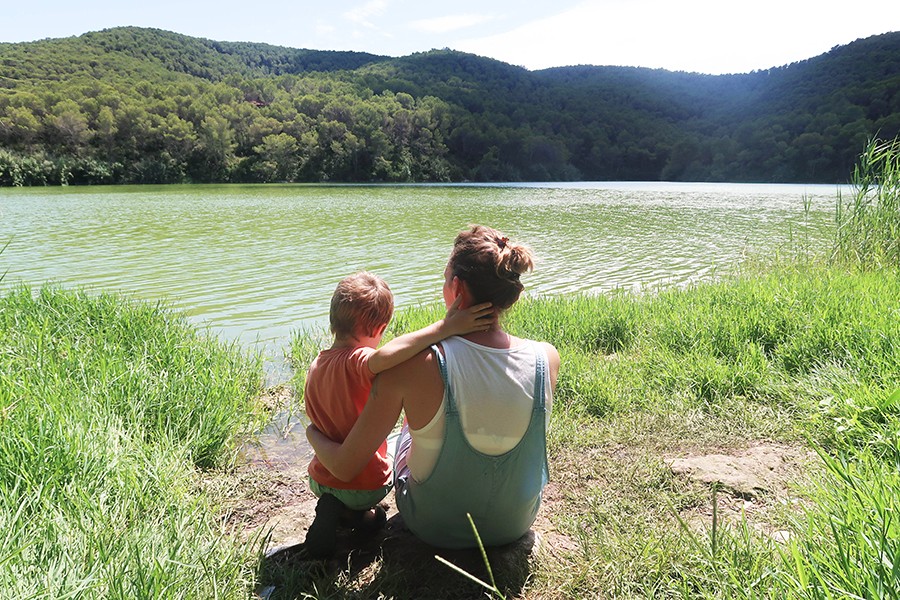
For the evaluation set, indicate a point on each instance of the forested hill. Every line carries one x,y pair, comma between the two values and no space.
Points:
145,105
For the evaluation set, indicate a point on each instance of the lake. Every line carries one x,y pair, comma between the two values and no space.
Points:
255,262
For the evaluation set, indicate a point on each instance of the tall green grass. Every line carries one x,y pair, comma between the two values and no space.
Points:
800,342
107,408
849,541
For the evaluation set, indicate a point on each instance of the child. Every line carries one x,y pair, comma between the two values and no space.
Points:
337,387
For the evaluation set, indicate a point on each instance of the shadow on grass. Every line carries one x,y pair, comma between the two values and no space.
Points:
393,564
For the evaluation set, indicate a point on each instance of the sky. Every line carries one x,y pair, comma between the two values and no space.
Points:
704,36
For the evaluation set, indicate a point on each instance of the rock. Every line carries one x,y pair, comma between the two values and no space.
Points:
782,536
748,473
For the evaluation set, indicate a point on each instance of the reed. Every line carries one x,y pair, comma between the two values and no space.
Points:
868,223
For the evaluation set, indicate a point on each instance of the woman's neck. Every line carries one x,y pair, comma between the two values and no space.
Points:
492,338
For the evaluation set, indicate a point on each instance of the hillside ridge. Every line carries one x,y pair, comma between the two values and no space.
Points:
131,104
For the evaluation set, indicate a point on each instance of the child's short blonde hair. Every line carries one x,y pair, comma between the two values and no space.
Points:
361,303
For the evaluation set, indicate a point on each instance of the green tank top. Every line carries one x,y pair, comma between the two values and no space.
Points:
502,493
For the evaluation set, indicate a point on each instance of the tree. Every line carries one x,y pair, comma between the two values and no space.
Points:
18,127
67,126
168,107
214,156
279,157
106,130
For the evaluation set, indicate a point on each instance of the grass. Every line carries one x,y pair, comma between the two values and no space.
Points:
780,342
850,544
109,410
109,407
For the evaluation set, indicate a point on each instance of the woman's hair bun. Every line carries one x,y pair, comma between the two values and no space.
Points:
490,264
514,258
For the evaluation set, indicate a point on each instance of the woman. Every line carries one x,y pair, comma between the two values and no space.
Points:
476,411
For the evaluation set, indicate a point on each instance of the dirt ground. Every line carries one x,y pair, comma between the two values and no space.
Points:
267,500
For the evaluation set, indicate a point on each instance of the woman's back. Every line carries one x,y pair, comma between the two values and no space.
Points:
494,393
501,492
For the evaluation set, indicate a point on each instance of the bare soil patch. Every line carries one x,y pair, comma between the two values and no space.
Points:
270,501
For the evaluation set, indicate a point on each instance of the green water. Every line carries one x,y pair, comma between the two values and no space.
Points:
255,262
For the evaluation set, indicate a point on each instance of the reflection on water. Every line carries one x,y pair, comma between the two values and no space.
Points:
281,445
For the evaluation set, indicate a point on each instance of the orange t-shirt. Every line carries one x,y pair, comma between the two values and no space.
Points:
337,388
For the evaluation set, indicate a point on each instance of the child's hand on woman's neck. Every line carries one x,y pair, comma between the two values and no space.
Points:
494,337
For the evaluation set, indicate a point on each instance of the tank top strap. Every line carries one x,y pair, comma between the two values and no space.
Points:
539,378
442,366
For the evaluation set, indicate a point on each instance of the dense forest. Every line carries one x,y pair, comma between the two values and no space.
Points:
134,105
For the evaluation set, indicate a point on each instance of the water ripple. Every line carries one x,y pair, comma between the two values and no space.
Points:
256,262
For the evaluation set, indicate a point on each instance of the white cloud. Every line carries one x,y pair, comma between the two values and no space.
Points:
449,23
693,35
363,13
324,29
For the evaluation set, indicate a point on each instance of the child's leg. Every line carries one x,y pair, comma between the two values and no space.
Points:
321,540
361,507
364,521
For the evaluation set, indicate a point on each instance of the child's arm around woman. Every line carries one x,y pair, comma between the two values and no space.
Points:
455,322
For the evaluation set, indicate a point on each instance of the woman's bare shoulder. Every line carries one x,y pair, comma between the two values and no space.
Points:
416,367
552,352
418,385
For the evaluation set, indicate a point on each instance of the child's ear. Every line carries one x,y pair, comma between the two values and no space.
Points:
379,331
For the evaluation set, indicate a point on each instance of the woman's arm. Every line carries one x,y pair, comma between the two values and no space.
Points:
347,460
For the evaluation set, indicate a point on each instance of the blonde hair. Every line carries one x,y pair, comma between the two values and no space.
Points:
490,264
361,303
